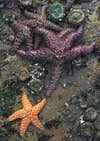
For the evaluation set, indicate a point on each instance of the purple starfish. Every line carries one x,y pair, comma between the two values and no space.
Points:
23,33
60,50
23,29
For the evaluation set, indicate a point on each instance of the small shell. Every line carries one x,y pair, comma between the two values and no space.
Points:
76,16
23,74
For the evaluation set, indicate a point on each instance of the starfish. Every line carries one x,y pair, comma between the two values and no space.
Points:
28,114
23,29
59,50
37,20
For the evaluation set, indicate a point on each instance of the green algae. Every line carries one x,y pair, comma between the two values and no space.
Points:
7,99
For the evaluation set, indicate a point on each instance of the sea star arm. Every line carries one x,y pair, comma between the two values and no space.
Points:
36,122
68,39
36,109
41,53
24,124
18,40
49,36
78,50
55,75
23,33
29,15
29,42
41,21
17,114
25,102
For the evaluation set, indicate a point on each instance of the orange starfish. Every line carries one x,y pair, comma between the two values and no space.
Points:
28,114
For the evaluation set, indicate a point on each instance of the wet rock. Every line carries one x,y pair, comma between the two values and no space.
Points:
3,55
2,4
44,137
97,82
97,123
65,84
92,28
7,99
15,85
68,137
25,2
80,63
54,122
77,138
83,103
35,85
90,114
4,134
97,136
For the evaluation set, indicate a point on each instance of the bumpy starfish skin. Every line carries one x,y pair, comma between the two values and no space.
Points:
60,50
23,33
28,114
23,29
36,20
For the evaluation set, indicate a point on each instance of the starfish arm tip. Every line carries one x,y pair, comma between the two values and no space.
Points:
93,46
21,52
17,115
